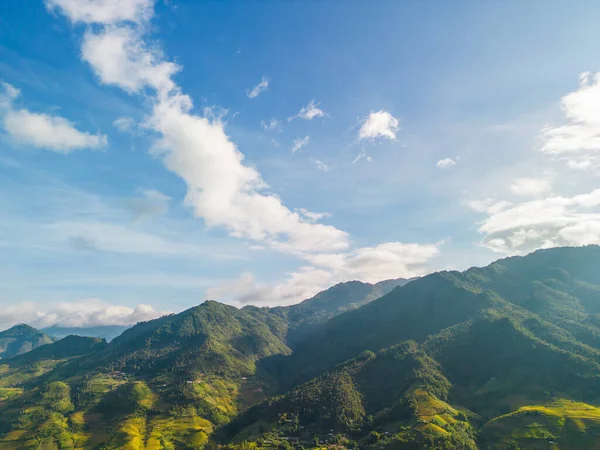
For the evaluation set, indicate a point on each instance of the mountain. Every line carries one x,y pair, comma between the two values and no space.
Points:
561,285
65,348
108,332
496,357
21,339
400,384
302,318
211,338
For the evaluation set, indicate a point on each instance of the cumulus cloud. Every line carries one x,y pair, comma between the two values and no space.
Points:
549,222
221,188
577,141
320,165
530,187
299,143
49,132
82,313
371,264
118,55
308,112
259,88
446,163
379,124
103,11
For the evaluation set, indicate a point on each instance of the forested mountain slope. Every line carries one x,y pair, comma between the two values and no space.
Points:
505,356
21,339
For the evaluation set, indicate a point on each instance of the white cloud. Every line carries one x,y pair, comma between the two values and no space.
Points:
221,189
371,264
379,124
549,222
446,163
125,124
259,88
82,313
224,191
311,216
50,132
308,112
119,56
7,95
578,140
489,205
530,187
271,125
103,11
299,143
320,165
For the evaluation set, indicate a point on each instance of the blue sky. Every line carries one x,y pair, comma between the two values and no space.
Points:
155,154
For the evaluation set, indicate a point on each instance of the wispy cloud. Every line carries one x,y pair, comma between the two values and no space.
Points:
125,124
299,143
320,165
152,203
530,187
259,88
270,125
309,112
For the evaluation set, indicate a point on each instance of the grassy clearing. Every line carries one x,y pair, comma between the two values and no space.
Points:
8,393
534,426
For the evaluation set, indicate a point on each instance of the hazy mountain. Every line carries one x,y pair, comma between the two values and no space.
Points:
21,339
65,348
301,318
108,332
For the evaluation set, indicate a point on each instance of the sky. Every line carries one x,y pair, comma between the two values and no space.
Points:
155,154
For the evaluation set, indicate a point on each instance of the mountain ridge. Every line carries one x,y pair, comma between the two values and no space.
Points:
502,356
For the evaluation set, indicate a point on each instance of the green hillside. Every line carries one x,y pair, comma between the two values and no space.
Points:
302,319
504,356
390,399
211,339
21,339
557,285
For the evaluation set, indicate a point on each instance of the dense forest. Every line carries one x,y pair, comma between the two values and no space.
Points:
501,357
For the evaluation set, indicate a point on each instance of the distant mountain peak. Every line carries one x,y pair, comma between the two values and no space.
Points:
20,339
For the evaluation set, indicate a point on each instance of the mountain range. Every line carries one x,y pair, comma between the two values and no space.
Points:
503,356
